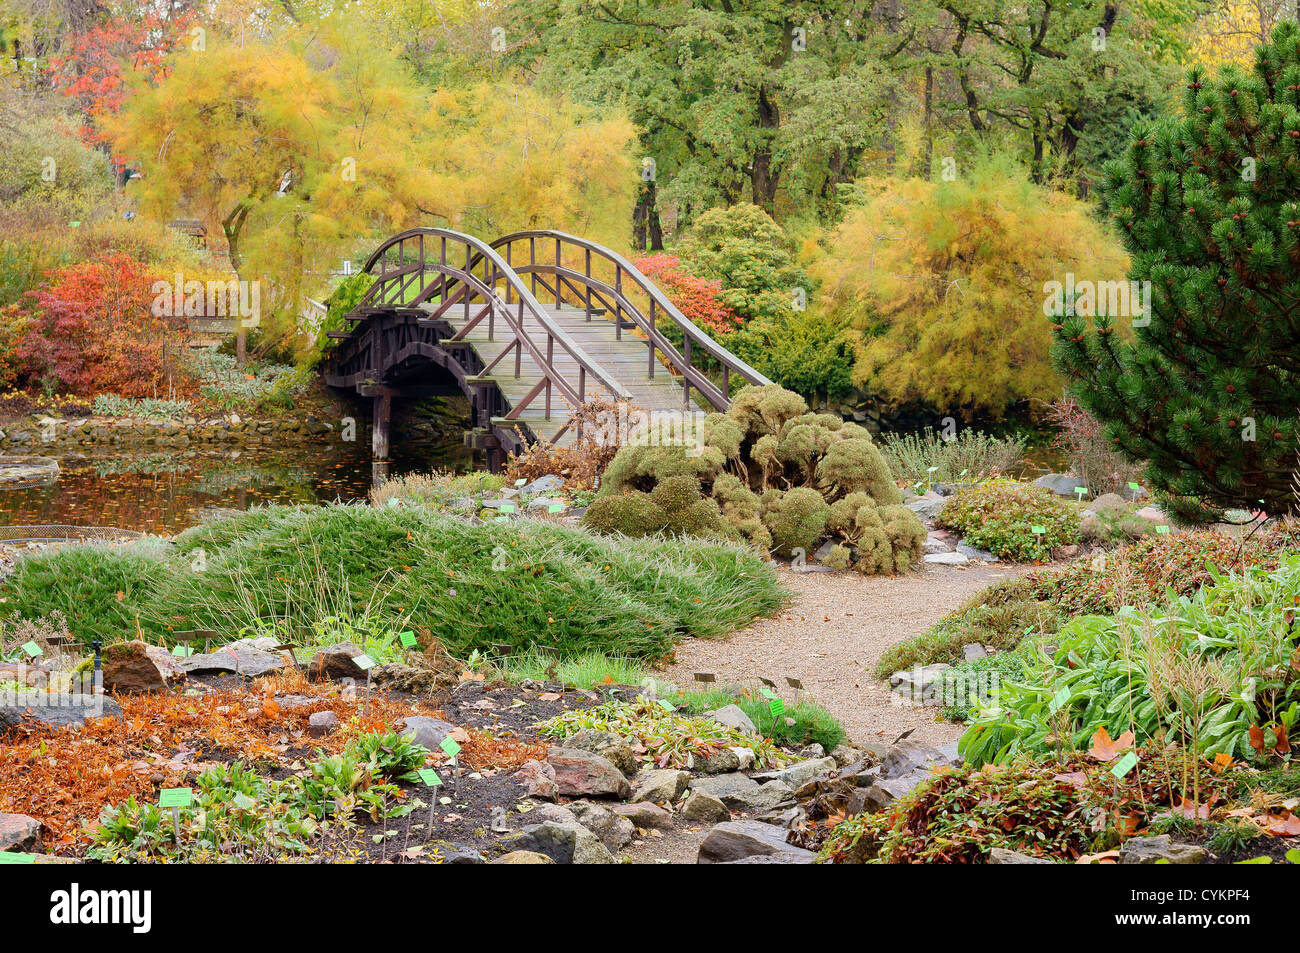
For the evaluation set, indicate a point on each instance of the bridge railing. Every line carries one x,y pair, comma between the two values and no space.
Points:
526,253
421,266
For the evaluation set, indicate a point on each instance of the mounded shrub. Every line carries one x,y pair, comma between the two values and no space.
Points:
1001,515
773,475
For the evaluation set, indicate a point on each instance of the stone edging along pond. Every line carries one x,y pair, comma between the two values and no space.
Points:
30,432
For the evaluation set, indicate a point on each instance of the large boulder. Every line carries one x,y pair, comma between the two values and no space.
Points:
732,841
580,773
19,833
538,779
335,661
608,745
135,667
702,808
741,793
1160,850
614,831
69,710
237,659
563,843
660,785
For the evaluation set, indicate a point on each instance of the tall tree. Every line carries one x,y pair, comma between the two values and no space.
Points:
1206,395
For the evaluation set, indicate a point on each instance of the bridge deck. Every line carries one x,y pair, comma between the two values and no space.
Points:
627,360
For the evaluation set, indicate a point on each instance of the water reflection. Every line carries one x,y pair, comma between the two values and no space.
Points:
167,492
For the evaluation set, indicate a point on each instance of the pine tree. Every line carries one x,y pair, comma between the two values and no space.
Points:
1207,391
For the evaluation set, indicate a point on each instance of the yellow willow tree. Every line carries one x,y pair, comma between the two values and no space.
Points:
943,283
290,148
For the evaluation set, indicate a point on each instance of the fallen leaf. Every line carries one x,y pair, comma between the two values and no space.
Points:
1106,749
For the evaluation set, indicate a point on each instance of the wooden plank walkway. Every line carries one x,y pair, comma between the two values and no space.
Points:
627,360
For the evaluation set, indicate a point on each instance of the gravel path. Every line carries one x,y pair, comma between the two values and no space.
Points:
831,637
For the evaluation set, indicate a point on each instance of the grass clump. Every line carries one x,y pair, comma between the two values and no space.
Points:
472,586
1002,515
969,456
804,722
588,670
437,488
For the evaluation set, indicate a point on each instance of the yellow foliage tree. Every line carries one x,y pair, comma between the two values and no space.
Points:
944,284
312,145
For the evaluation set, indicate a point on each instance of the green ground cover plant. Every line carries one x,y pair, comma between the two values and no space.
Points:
1002,516
473,586
1212,672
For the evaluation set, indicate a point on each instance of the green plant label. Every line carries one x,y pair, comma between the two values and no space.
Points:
75,224
962,474
10,857
767,693
777,707
666,705
450,747
507,507
408,639
430,777
521,483
32,649
555,508
1162,529
1134,486
363,662
1080,490
175,797
1059,699
931,469
1038,530
184,651
1124,765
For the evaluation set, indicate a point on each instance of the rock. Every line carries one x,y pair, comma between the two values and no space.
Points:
926,508
660,785
799,773
321,723
906,758
70,709
1153,850
934,545
735,840
427,731
946,559
131,667
846,755
246,660
614,831
523,857
563,843
811,751
580,773
885,791
974,552
923,685
1153,514
718,761
538,779
19,833
973,651
546,484
1061,553
705,808
608,745
744,758
335,661
645,814
727,788
1062,484
1000,855
733,716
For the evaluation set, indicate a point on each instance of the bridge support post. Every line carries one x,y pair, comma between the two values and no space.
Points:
380,420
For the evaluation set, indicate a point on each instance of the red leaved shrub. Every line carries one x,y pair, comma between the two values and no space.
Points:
92,330
697,298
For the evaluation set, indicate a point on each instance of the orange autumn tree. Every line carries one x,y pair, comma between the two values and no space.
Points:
92,329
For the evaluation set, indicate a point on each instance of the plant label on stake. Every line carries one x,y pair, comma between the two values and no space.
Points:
175,799
408,640
1124,765
1038,530
1162,529
9,857
431,780
776,707
365,663
32,649
1058,700
451,748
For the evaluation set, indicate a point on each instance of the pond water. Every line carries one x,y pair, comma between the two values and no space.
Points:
165,492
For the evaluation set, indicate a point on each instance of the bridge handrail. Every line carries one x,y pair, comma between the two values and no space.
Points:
481,251
691,330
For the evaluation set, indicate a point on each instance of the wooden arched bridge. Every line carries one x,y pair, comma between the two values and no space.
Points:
528,327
